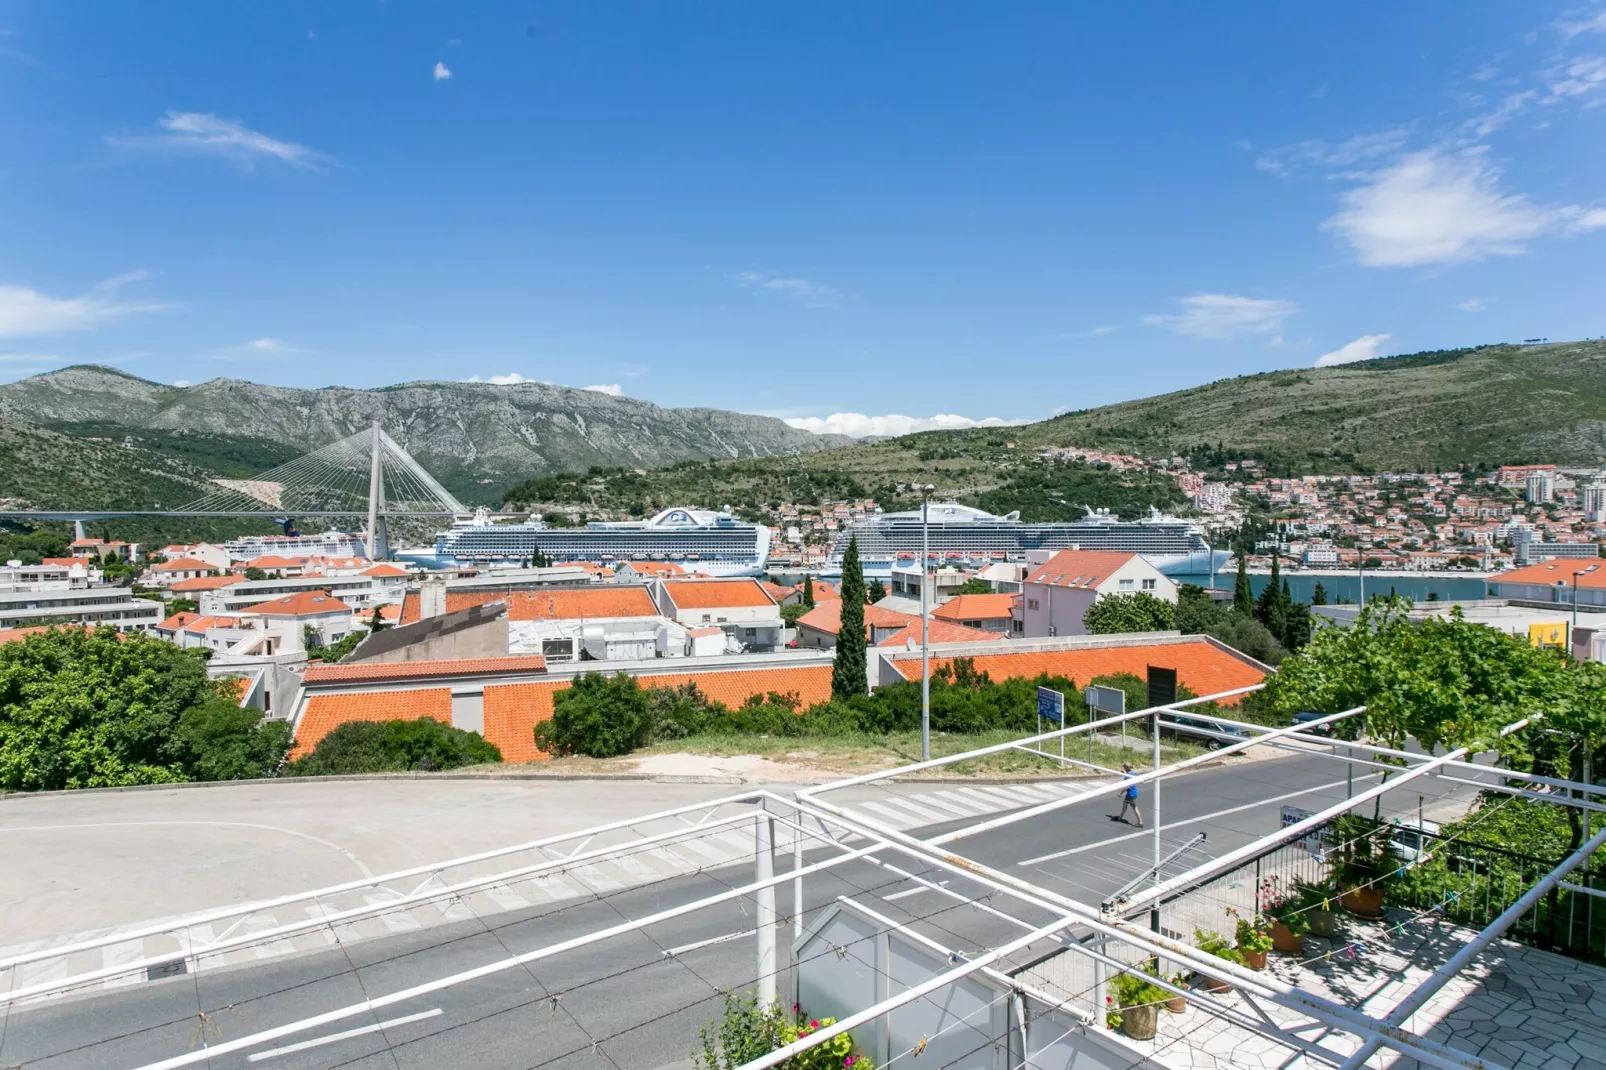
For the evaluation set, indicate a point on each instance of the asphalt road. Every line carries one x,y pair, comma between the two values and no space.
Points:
623,1002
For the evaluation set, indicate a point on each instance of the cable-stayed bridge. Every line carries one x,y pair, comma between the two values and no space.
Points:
366,475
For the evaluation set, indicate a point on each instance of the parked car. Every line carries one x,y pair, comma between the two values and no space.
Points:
1305,717
1412,839
1213,733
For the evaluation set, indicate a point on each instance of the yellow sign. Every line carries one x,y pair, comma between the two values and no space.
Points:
1553,634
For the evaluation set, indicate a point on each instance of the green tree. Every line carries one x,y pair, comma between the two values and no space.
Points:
791,613
228,742
393,747
849,672
376,623
1318,597
808,591
182,605
89,709
598,716
1199,614
975,586
1243,599
254,573
1140,612
878,591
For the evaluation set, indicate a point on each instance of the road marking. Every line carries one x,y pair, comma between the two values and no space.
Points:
923,815
347,1035
681,950
897,817
941,807
965,806
912,891
1149,833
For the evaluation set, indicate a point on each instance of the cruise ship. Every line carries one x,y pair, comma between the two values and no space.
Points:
963,535
698,540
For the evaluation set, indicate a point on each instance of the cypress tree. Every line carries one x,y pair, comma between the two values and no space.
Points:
849,673
1271,596
1242,600
808,591
1318,597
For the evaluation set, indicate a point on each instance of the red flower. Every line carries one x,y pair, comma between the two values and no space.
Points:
815,1024
848,1061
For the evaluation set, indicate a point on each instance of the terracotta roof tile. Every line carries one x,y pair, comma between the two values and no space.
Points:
654,568
564,603
777,591
717,594
1079,568
940,631
384,570
205,583
1203,667
827,617
323,713
177,621
410,613
513,710
414,670
275,561
1591,572
184,564
300,604
975,607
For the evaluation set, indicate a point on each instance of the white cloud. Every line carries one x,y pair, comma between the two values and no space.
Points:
613,390
1436,207
1572,27
1511,107
442,72
1224,316
1589,219
1347,153
26,311
858,425
813,294
510,379
181,382
32,358
1578,76
1091,332
1365,347
1473,304
203,132
271,345
259,348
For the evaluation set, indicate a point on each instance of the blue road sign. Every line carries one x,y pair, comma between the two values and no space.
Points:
1051,705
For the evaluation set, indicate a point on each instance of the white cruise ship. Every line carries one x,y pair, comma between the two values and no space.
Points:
698,540
329,544
963,535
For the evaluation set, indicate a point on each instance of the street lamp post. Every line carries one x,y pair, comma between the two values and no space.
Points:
925,622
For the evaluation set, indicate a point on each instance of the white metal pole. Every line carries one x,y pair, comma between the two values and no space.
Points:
763,876
1154,914
797,882
925,627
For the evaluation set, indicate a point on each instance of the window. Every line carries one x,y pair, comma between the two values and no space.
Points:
1125,585
1148,585
1031,603
558,649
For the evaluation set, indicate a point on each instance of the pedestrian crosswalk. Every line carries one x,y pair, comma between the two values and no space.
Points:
379,911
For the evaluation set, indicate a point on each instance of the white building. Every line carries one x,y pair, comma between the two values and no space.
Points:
362,592
16,577
94,606
1058,592
1541,485
741,608
1592,500
1320,557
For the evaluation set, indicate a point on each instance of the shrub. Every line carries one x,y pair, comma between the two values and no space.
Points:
393,747
598,716
747,1031
226,742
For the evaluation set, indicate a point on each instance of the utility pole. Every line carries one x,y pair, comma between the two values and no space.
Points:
925,622
376,491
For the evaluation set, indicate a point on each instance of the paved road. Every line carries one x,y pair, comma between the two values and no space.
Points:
609,990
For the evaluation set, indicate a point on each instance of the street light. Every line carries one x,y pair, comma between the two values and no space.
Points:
925,490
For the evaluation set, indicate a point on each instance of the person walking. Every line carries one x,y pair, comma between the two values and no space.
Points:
1129,797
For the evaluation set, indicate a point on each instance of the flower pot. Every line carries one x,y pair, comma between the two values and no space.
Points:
1255,960
1177,1004
1364,902
1139,1022
1286,940
1323,923
1216,986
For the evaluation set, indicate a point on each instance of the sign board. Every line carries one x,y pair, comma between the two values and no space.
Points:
1311,841
1162,686
1051,705
1550,633
1110,700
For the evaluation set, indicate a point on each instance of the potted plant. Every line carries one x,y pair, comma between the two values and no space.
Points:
1213,943
1364,865
1139,1001
1254,939
1317,898
1177,1003
1289,918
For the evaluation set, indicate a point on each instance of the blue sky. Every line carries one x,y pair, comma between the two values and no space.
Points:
830,212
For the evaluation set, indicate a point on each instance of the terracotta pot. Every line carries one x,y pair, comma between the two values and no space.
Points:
1286,940
1323,923
1364,902
1255,960
1217,986
1139,1023
1177,1004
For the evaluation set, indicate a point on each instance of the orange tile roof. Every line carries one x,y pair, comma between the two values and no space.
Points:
940,631
975,607
410,609
827,617
589,566
275,561
384,569
205,583
655,568
777,591
1202,666
415,670
205,624
716,594
323,713
1079,568
177,621
1591,572
300,604
184,564
570,603
11,635
61,562
513,710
